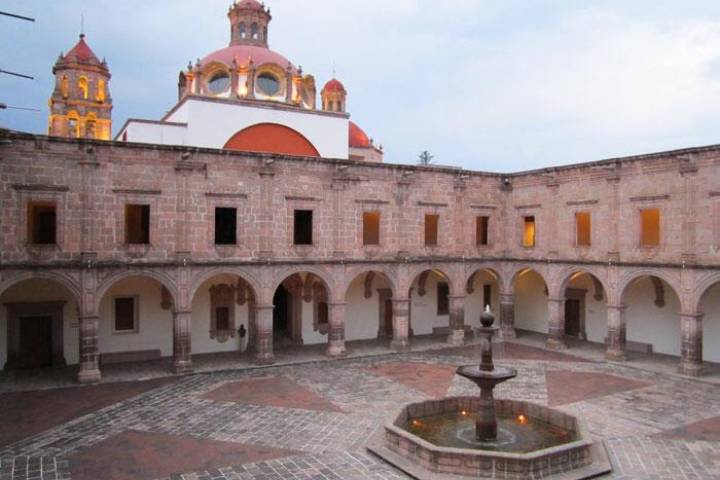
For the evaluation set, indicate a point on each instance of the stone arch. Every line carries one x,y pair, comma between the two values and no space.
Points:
66,281
323,275
518,271
584,306
368,297
206,275
165,280
352,274
531,299
702,287
494,272
417,271
629,277
568,274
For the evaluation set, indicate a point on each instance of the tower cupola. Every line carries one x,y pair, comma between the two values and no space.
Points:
249,21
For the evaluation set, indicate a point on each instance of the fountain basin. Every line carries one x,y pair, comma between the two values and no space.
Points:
571,456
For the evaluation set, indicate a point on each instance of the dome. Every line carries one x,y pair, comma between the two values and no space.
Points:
334,85
358,138
259,56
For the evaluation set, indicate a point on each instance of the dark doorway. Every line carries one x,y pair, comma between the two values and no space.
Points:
281,312
388,320
35,342
572,318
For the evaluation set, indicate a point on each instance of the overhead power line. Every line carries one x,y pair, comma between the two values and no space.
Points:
4,106
17,74
21,17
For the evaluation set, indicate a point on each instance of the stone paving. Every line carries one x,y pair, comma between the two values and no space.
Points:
312,421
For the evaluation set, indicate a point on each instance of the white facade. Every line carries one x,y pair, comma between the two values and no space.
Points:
211,123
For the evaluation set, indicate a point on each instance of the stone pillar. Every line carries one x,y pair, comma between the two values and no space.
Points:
89,355
401,323
617,335
507,315
691,362
556,324
265,217
457,320
264,335
336,337
182,352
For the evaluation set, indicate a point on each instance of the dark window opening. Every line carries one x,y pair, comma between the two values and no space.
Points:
323,313
137,224
487,296
431,229
125,314
371,228
226,226
303,227
42,223
222,318
443,299
482,237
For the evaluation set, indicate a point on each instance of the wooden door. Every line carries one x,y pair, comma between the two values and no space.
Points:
388,318
572,317
35,342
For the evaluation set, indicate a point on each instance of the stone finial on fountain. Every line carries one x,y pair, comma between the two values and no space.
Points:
487,319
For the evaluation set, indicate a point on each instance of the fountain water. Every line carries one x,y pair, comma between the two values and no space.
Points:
510,439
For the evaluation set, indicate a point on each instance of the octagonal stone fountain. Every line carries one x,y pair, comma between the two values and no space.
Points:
480,437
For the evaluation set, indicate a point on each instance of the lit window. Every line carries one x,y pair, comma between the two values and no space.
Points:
137,224
254,31
243,33
83,87
225,226
219,83
529,232
268,84
42,223
650,228
431,230
65,86
73,126
303,227
482,236
371,228
583,235
126,315
100,97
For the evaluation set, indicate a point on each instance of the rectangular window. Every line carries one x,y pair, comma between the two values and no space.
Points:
650,225
371,228
222,318
481,231
42,223
582,229
487,296
125,314
431,230
443,299
137,224
529,232
225,226
303,227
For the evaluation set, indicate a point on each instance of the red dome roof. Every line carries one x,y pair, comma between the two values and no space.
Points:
334,85
259,56
358,138
81,53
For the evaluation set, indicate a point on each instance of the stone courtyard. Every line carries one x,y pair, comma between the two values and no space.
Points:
312,420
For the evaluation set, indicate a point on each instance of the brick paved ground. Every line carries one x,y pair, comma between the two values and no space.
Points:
312,421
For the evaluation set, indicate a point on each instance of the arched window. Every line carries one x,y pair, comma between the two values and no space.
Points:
73,125
265,34
242,31
83,87
100,97
65,86
254,31
90,129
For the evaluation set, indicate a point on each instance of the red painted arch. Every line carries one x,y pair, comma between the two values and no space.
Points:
272,138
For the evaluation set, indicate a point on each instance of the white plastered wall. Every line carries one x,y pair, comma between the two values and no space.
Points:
595,310
362,315
38,291
646,323
310,336
201,341
424,309
710,306
531,303
475,302
155,325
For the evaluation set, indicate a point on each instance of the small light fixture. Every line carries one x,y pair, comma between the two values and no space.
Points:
522,419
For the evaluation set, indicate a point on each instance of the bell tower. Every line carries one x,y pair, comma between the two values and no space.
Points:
334,96
249,21
80,105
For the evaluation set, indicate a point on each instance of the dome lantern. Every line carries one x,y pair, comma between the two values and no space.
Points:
249,21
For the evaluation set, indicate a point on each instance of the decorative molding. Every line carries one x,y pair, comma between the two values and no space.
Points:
650,198
372,202
41,188
714,194
226,195
484,207
431,204
528,207
292,198
582,202
131,191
